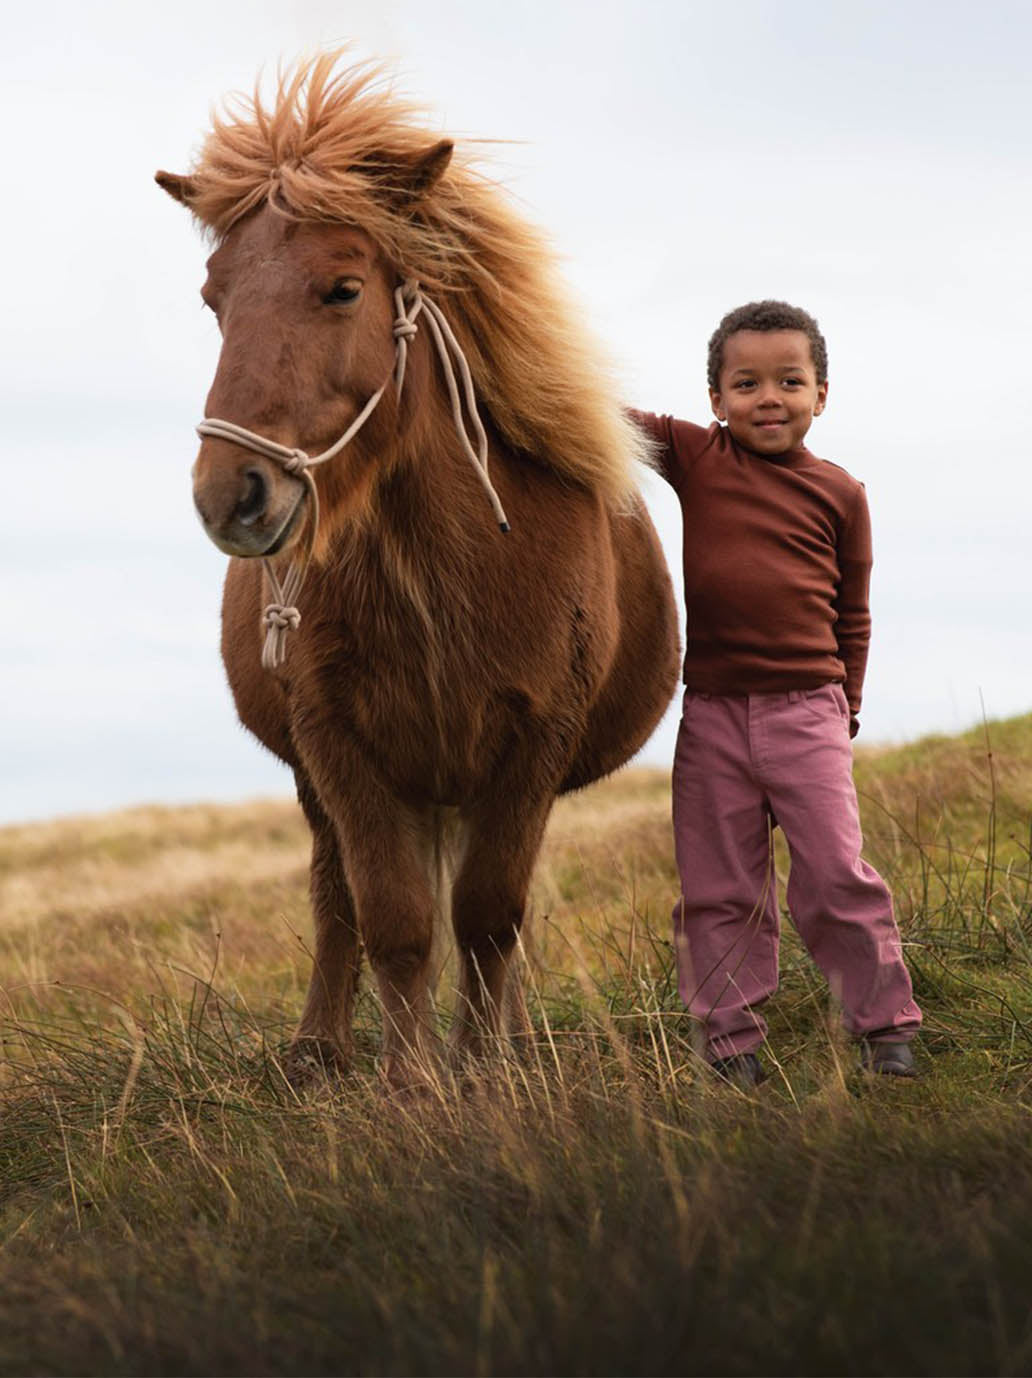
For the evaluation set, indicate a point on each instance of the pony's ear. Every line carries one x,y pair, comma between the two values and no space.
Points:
181,189
406,181
428,170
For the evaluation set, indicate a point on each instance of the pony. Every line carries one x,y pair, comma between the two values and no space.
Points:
440,681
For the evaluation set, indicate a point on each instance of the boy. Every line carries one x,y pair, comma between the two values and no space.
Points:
777,560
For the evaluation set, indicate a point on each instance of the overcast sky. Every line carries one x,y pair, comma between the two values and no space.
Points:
867,161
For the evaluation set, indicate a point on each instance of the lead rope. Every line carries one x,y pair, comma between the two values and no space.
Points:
282,614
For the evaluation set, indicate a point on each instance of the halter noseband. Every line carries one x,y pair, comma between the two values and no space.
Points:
282,615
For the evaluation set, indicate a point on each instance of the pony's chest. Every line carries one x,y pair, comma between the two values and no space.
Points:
426,723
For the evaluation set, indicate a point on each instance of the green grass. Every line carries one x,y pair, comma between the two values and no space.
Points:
592,1204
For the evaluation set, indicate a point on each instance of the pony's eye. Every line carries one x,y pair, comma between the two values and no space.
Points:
343,292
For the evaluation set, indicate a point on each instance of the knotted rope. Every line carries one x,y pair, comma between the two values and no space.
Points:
282,614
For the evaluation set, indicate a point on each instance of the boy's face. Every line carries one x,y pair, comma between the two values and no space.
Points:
768,392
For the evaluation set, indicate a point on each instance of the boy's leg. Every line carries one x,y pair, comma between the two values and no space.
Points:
726,921
840,905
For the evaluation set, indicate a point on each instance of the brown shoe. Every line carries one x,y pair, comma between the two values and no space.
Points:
888,1059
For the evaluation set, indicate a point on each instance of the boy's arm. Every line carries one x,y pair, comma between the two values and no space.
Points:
676,442
853,628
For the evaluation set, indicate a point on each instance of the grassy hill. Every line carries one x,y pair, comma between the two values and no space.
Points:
169,1204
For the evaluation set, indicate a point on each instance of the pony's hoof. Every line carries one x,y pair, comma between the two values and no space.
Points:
411,1082
311,1061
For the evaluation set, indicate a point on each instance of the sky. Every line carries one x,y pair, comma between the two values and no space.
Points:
869,162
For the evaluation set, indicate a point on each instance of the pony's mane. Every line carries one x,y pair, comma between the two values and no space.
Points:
335,146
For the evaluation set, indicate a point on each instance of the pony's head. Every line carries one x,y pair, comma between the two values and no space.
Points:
319,206
305,308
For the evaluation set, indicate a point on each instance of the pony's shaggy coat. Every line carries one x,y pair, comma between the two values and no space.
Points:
446,681
339,147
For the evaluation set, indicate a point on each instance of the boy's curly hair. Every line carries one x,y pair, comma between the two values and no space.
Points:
766,315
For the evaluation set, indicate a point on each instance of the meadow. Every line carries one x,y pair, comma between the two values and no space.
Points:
592,1203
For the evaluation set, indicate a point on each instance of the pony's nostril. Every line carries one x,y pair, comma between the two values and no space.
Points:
252,504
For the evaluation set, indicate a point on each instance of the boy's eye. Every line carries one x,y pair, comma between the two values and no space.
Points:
793,382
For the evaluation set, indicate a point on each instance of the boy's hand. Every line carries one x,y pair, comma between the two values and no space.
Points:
854,725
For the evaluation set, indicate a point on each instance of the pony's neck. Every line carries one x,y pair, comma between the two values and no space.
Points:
431,496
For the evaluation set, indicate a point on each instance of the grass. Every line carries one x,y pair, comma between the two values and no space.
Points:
169,1204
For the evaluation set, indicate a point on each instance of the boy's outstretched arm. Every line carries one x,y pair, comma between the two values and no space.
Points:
659,431
675,443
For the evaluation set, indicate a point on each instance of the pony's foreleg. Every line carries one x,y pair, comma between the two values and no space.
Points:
383,851
488,905
396,918
323,1037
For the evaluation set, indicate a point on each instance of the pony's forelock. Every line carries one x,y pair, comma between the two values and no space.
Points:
338,144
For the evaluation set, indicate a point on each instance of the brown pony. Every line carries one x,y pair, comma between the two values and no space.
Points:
447,681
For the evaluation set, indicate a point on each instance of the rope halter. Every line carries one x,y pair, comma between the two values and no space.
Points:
282,614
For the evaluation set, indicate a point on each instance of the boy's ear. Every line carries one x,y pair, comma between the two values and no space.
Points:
181,188
717,403
822,398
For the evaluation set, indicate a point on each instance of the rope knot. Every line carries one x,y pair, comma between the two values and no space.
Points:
404,329
296,462
282,618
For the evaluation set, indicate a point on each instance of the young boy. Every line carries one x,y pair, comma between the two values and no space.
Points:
777,560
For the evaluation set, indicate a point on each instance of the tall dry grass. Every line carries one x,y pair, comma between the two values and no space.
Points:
591,1202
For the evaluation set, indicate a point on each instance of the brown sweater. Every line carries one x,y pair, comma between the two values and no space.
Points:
777,564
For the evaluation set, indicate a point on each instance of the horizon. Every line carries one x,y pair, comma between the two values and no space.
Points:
868,750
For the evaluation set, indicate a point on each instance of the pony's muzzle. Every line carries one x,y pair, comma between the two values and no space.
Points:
247,508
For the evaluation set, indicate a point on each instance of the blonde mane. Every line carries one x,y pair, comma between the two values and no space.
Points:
335,146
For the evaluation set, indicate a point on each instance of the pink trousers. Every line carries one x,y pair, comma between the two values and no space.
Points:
743,763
